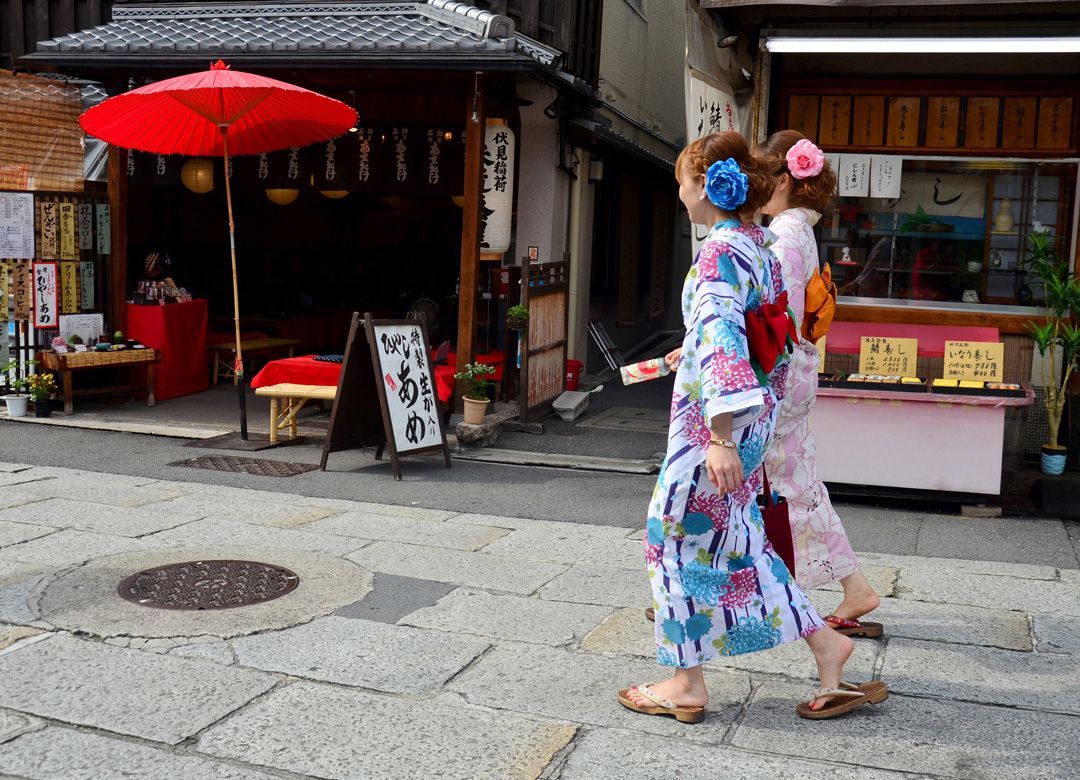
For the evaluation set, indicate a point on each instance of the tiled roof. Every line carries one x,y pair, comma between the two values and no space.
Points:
321,31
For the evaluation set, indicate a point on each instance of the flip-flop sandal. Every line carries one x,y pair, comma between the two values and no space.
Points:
650,614
855,628
660,706
843,699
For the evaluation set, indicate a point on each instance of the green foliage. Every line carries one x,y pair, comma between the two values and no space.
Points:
476,385
7,374
517,317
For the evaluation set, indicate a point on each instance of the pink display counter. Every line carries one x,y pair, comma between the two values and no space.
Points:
926,441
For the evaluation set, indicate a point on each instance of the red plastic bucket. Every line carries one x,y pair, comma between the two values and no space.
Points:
573,373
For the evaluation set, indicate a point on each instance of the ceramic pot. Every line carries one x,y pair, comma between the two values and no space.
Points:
16,405
475,411
1053,460
43,408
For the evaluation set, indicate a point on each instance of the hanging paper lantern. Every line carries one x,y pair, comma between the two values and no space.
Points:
498,188
282,196
198,175
334,194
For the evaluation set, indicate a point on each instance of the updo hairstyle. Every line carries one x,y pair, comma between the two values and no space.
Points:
700,154
816,192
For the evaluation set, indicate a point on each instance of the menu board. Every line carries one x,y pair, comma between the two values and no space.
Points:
103,228
3,292
50,230
854,175
21,290
86,284
86,226
888,357
17,225
86,326
69,287
981,361
67,231
45,296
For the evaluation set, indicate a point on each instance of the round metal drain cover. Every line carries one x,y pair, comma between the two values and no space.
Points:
208,585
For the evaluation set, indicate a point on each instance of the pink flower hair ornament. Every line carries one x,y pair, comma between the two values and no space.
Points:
805,159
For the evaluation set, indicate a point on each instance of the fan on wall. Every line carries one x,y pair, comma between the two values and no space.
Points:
427,311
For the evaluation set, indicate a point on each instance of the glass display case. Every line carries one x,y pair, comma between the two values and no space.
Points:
958,233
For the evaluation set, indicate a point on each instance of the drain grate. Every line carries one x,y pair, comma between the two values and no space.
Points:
257,466
196,585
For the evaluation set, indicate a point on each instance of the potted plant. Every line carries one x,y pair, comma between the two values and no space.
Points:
475,392
517,318
18,400
41,387
1058,335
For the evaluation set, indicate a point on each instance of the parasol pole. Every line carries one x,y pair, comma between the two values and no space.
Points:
238,366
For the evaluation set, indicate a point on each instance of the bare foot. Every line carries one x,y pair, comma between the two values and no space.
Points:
685,689
831,651
859,597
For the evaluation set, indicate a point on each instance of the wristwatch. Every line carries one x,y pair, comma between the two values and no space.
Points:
723,443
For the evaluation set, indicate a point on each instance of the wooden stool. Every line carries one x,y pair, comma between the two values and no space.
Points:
287,400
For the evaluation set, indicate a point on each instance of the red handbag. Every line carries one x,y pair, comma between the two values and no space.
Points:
777,524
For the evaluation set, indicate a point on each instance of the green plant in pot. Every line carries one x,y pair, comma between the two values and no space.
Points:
475,390
517,318
16,401
1057,340
41,387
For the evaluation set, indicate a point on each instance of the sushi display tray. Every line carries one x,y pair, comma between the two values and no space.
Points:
991,392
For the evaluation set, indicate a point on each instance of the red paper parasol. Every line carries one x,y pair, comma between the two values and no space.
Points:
219,112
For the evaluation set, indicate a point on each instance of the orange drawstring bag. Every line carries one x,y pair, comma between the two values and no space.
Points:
820,305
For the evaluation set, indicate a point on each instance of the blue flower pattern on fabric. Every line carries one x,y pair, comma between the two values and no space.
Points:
665,657
674,631
726,184
756,517
750,634
752,452
655,531
704,583
780,570
697,524
731,340
698,626
737,562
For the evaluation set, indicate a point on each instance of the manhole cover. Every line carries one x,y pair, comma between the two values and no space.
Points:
208,585
257,466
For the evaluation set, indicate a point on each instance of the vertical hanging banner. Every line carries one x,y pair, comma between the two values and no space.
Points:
21,291
709,109
86,284
67,231
498,189
3,295
86,226
45,296
17,225
50,230
104,228
69,288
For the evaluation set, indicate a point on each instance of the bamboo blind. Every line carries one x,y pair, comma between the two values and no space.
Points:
40,138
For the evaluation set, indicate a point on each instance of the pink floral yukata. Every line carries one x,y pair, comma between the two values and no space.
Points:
823,553
718,587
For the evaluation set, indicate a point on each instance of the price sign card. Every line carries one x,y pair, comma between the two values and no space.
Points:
981,361
888,357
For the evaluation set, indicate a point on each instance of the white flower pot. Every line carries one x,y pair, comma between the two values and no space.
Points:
475,411
16,405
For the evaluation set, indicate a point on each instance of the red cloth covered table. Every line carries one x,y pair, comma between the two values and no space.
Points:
306,370
178,331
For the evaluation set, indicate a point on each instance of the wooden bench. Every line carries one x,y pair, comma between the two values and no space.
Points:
223,355
287,400
68,363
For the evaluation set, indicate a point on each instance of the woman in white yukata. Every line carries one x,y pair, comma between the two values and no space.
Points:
718,586
805,184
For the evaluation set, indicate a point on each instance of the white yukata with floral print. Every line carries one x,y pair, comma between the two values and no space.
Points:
718,587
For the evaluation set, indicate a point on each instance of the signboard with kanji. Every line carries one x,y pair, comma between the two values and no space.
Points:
888,357
981,361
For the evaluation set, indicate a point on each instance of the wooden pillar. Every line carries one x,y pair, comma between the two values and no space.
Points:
471,225
116,307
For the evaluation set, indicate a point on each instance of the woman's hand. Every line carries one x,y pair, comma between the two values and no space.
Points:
672,359
725,468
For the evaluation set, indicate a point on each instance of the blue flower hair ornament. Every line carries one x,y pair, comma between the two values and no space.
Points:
726,184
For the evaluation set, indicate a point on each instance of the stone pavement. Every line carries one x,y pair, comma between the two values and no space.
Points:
425,643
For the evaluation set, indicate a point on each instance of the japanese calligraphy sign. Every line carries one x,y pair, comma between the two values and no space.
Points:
975,360
409,386
835,120
854,175
885,176
943,122
3,292
868,120
888,357
708,108
17,225
982,123
86,226
103,228
69,287
1055,122
87,284
67,231
903,125
86,326
46,294
21,291
498,187
803,114
50,230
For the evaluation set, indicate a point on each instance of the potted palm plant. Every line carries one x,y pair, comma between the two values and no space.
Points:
41,387
16,401
1057,340
475,391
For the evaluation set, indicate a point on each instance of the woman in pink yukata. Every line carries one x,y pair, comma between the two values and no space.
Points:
805,185
719,589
